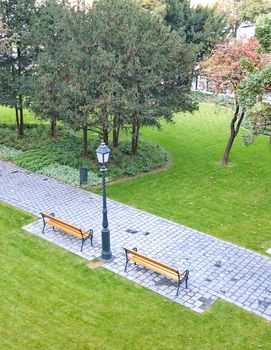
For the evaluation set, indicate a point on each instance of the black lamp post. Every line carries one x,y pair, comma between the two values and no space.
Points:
103,153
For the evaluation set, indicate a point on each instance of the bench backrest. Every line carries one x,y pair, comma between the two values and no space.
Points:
147,259
53,219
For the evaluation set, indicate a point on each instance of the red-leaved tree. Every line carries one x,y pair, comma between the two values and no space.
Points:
229,64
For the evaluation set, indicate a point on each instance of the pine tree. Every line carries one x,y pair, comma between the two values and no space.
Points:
201,26
15,63
62,83
47,85
142,69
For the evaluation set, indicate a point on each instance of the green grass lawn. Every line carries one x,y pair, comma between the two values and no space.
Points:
7,116
51,300
230,202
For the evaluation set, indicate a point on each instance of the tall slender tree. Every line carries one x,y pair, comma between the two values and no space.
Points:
47,85
226,69
15,63
62,83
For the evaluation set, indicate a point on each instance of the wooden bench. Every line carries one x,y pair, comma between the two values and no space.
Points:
133,256
50,219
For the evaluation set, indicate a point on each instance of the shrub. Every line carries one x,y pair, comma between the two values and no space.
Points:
130,170
68,175
7,153
41,153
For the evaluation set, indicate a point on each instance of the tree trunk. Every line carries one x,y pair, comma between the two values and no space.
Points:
16,104
17,119
235,28
235,127
225,159
21,123
53,127
116,132
105,135
85,137
134,141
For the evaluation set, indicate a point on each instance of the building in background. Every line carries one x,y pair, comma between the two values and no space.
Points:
245,31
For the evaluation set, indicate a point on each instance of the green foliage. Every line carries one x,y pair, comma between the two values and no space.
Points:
263,34
142,73
238,11
7,153
177,15
100,77
248,139
252,92
149,156
201,26
15,63
68,175
41,152
37,135
250,10
47,84
259,119
156,6
252,96
207,28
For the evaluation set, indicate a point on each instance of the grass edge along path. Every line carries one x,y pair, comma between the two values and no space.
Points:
51,300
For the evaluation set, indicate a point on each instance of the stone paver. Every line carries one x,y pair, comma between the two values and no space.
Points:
218,269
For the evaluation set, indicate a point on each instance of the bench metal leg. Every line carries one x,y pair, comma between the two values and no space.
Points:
185,279
125,270
44,224
127,260
83,242
91,236
186,272
178,288
134,249
53,215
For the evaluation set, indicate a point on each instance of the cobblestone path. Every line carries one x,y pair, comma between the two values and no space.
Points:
218,269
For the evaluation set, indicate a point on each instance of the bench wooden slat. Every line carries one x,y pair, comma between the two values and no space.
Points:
66,227
150,260
155,268
59,221
60,225
133,256
71,231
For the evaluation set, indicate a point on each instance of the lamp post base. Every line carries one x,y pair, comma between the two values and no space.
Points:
106,251
107,257
106,260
